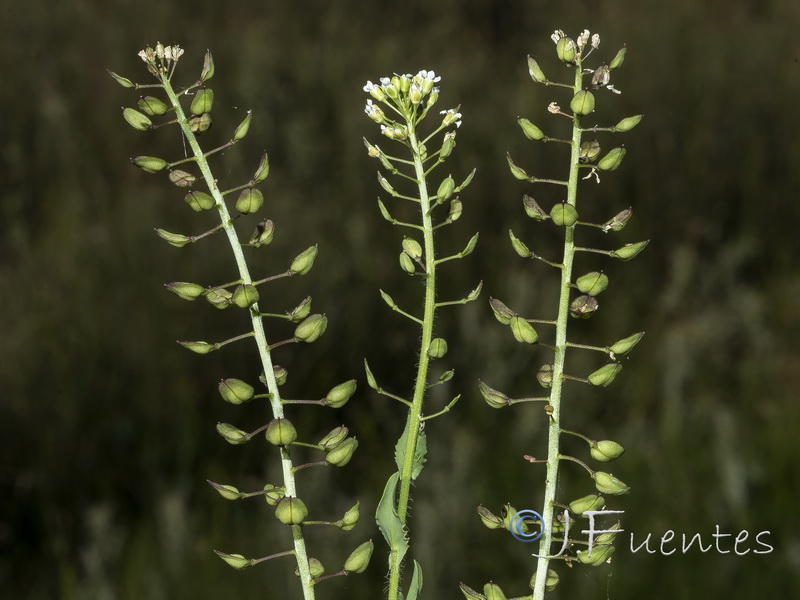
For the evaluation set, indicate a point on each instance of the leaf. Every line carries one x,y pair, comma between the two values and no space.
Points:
390,524
416,582
419,452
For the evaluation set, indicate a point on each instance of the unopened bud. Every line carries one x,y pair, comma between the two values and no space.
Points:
533,210
235,391
628,251
291,511
184,290
582,103
341,454
281,432
339,395
606,450
250,200
358,561
592,283
583,307
627,344
304,261
244,296
310,329
564,215
587,503
605,375
523,331
531,131
608,484
628,123
200,201
612,160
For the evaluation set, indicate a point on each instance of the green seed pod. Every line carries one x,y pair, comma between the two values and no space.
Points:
250,200
304,261
628,251
291,511
244,296
370,377
334,438
501,312
136,119
123,81
243,127
590,150
340,394
301,311
492,591
184,290
606,450
200,124
469,593
533,210
493,398
199,347
202,102
506,513
152,106
233,435
384,183
489,519
608,484
448,144
181,178
281,374
592,283
517,171
608,538
273,494
237,561
531,131
226,491
311,329
281,432
565,49
551,581
564,215
208,67
545,375
263,169
412,248
535,71
583,307
219,298
627,344
341,454
438,348
200,201
605,375
628,123
407,264
236,391
455,210
150,164
618,221
446,189
618,59
601,553
315,567
470,247
612,160
446,376
523,331
358,561
519,246
262,234
467,180
587,503
350,518
582,103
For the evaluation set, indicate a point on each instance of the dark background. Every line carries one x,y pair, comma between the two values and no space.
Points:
107,426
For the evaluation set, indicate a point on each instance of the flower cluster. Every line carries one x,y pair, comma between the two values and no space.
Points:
162,59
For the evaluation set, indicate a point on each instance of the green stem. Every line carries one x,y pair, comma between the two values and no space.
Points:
554,423
415,411
258,330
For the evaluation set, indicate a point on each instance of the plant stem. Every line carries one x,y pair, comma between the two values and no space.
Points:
258,329
415,412
554,423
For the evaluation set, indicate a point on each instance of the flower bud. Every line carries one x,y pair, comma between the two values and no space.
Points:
334,438
587,503
199,347
136,119
186,291
523,331
357,562
469,593
350,518
493,398
150,164
273,494
339,395
263,169
262,234
600,554
301,311
438,348
582,103
152,106
244,296
519,246
232,435
618,221
628,251
531,131
235,391
535,71
445,190
412,248
624,346
341,454
291,511
606,450
590,150
281,432
226,491
250,200
237,561
304,261
628,123
618,59
583,307
407,264
605,375
516,171
545,375
200,201
592,283
501,312
565,49
489,519
243,127
219,298
309,330
612,160
564,215
181,178
608,484
202,102
492,591
533,210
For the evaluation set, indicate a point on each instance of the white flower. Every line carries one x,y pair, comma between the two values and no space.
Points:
450,117
557,35
374,112
554,108
369,87
583,38
595,40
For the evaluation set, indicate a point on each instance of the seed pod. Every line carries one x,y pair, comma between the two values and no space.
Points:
469,593
341,454
592,283
208,67
304,261
467,180
523,331
628,123
612,160
455,210
243,127
608,538
350,518
301,311
407,264
618,59
233,435
448,144
583,307
535,71
545,375
244,296
601,553
551,581
184,290
334,438
590,150
438,348
219,298
311,329
608,484
587,503
281,432
358,561
262,234
199,347
152,106
281,375
489,519
340,394
564,215
291,511
519,246
228,492
273,494
200,124
199,201
605,375
628,251
493,398
531,131
517,171
181,178
150,164
235,391
370,377
606,450
533,210
501,312
202,102
412,248
446,189
315,567
582,103
123,81
492,591
237,561
250,200
618,221
470,247
565,49
627,344
136,119
263,169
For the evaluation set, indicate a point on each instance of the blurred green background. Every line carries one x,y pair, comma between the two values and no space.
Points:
107,426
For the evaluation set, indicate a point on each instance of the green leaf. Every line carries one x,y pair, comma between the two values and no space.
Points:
419,452
390,524
416,582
